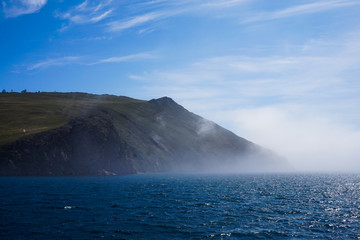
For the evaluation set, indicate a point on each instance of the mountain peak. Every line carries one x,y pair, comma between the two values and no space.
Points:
162,100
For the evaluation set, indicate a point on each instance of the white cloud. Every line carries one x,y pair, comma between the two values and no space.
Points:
255,77
54,62
82,6
20,7
132,57
167,9
88,61
88,12
121,25
223,3
100,17
314,7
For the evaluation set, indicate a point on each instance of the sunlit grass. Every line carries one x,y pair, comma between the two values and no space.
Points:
38,112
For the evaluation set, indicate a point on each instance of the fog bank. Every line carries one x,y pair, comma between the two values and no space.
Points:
309,142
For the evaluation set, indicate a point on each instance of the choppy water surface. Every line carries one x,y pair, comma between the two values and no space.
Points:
181,207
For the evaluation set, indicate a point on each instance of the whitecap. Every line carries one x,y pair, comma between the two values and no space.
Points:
69,207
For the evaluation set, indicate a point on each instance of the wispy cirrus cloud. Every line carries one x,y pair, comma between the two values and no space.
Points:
193,4
167,9
319,69
121,25
223,3
297,10
88,61
127,58
142,14
61,61
21,7
88,12
295,77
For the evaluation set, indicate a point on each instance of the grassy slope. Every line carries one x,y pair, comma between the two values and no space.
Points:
38,112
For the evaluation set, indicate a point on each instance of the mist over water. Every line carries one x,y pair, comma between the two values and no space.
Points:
309,141
228,154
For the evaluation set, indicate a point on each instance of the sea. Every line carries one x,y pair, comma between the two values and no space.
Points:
181,206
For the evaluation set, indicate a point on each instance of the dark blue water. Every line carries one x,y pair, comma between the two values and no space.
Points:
181,207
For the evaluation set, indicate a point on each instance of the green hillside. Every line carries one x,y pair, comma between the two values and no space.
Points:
39,112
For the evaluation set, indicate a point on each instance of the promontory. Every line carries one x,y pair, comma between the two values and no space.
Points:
80,134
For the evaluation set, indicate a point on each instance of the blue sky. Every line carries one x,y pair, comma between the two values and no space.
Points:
284,74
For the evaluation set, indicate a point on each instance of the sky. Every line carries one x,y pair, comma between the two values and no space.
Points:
283,74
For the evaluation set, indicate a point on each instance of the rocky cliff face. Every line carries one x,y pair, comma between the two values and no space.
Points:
132,137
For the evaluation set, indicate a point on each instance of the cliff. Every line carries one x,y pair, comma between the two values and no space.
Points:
72,134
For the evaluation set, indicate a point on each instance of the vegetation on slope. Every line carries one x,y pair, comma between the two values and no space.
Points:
39,112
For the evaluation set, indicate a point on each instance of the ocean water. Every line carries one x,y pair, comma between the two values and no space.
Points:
160,206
